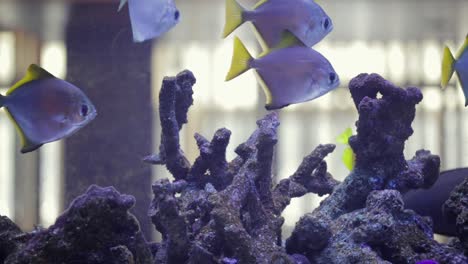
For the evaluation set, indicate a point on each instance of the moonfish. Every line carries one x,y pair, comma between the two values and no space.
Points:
45,108
303,18
288,76
459,64
151,18
429,202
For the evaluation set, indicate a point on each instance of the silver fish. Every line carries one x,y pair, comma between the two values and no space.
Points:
151,18
303,18
288,76
45,108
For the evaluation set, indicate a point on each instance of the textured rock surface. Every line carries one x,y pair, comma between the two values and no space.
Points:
457,207
96,228
229,212
225,212
344,228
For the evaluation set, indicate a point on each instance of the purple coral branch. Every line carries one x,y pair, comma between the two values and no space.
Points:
213,159
310,177
175,98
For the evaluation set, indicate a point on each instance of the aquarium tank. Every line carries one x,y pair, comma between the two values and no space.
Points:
233,132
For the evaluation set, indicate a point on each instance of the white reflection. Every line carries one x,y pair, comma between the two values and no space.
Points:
396,61
432,99
7,54
50,176
54,58
431,61
7,154
196,57
413,62
239,93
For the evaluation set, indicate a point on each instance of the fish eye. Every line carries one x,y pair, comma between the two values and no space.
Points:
332,77
84,110
176,15
326,23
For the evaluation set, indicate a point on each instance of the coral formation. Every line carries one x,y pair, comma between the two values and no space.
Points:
228,212
456,207
96,228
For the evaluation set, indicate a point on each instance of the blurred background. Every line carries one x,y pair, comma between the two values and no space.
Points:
89,43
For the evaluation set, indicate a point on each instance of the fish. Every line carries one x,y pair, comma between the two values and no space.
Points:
44,108
430,202
303,18
348,156
458,64
151,18
288,76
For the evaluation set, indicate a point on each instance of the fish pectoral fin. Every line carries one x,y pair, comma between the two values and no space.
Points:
233,17
241,59
121,5
447,67
33,73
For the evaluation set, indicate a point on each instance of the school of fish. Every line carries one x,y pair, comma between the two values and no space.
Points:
288,70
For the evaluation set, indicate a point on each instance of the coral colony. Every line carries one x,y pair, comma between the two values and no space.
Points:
216,211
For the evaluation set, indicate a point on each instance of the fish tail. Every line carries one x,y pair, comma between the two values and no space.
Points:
241,59
448,62
234,17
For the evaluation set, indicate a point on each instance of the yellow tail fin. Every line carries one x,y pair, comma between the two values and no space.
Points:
241,59
233,17
447,67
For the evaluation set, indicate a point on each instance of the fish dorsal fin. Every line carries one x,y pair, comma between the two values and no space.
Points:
33,73
463,48
260,3
288,39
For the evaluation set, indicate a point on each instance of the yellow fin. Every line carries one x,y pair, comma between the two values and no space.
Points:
348,158
261,2
288,39
233,17
260,39
33,73
266,90
344,137
447,67
26,144
462,48
240,60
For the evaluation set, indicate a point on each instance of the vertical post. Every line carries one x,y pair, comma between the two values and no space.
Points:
115,74
26,165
